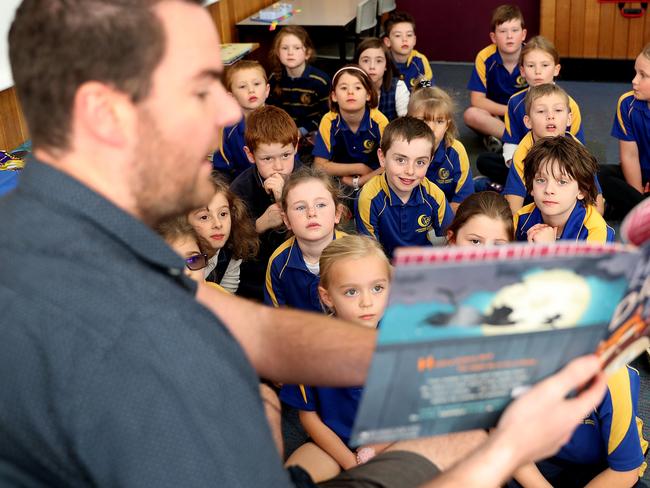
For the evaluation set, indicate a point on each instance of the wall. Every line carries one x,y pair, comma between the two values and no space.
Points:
225,13
455,30
589,29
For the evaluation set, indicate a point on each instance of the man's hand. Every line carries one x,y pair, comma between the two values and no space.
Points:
273,186
542,420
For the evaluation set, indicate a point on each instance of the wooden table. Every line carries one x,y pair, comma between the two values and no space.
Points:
333,16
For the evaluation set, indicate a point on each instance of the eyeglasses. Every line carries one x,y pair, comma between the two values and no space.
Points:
196,261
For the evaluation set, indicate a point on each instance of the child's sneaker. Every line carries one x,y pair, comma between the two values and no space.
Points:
493,144
483,183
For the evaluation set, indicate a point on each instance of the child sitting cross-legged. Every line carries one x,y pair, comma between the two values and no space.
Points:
348,136
548,114
559,173
271,145
399,37
607,449
401,207
354,285
311,211
449,168
246,82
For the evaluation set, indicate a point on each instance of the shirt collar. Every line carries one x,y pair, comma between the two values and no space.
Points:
58,190
575,221
440,153
341,124
416,197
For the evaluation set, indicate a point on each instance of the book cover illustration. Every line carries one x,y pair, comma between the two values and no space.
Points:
468,330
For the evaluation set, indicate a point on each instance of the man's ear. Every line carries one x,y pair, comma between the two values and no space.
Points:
105,113
249,155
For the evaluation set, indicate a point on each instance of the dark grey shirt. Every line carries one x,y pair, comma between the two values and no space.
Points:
110,373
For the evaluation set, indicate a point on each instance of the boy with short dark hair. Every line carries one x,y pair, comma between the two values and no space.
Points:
271,144
559,173
247,82
401,207
548,114
496,75
399,37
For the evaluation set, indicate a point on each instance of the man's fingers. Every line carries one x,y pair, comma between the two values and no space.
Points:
576,373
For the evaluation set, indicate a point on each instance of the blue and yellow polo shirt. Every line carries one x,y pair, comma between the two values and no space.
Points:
584,224
515,182
336,142
230,158
336,407
516,129
416,65
450,171
289,282
380,213
491,77
612,433
632,123
305,98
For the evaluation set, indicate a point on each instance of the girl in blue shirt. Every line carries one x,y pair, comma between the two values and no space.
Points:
355,280
310,210
449,169
373,56
349,135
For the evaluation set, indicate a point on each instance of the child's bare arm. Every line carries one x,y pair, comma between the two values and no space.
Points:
327,440
630,164
363,179
341,169
480,100
529,476
515,202
614,479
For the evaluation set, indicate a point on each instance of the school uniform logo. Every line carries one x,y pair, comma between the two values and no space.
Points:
521,82
443,176
424,221
368,145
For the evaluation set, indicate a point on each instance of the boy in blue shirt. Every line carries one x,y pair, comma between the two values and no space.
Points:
247,83
401,207
548,114
399,37
607,449
559,174
496,76
629,183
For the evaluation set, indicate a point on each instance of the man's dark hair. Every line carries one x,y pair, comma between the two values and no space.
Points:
406,128
57,45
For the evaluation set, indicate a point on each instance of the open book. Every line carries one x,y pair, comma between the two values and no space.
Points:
467,330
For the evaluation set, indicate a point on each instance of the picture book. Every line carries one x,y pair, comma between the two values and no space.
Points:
469,329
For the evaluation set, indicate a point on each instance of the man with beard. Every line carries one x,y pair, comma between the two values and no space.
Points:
112,373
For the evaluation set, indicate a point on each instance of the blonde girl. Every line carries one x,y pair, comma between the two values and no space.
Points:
449,168
354,286
296,86
349,135
373,56
311,211
226,234
484,218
